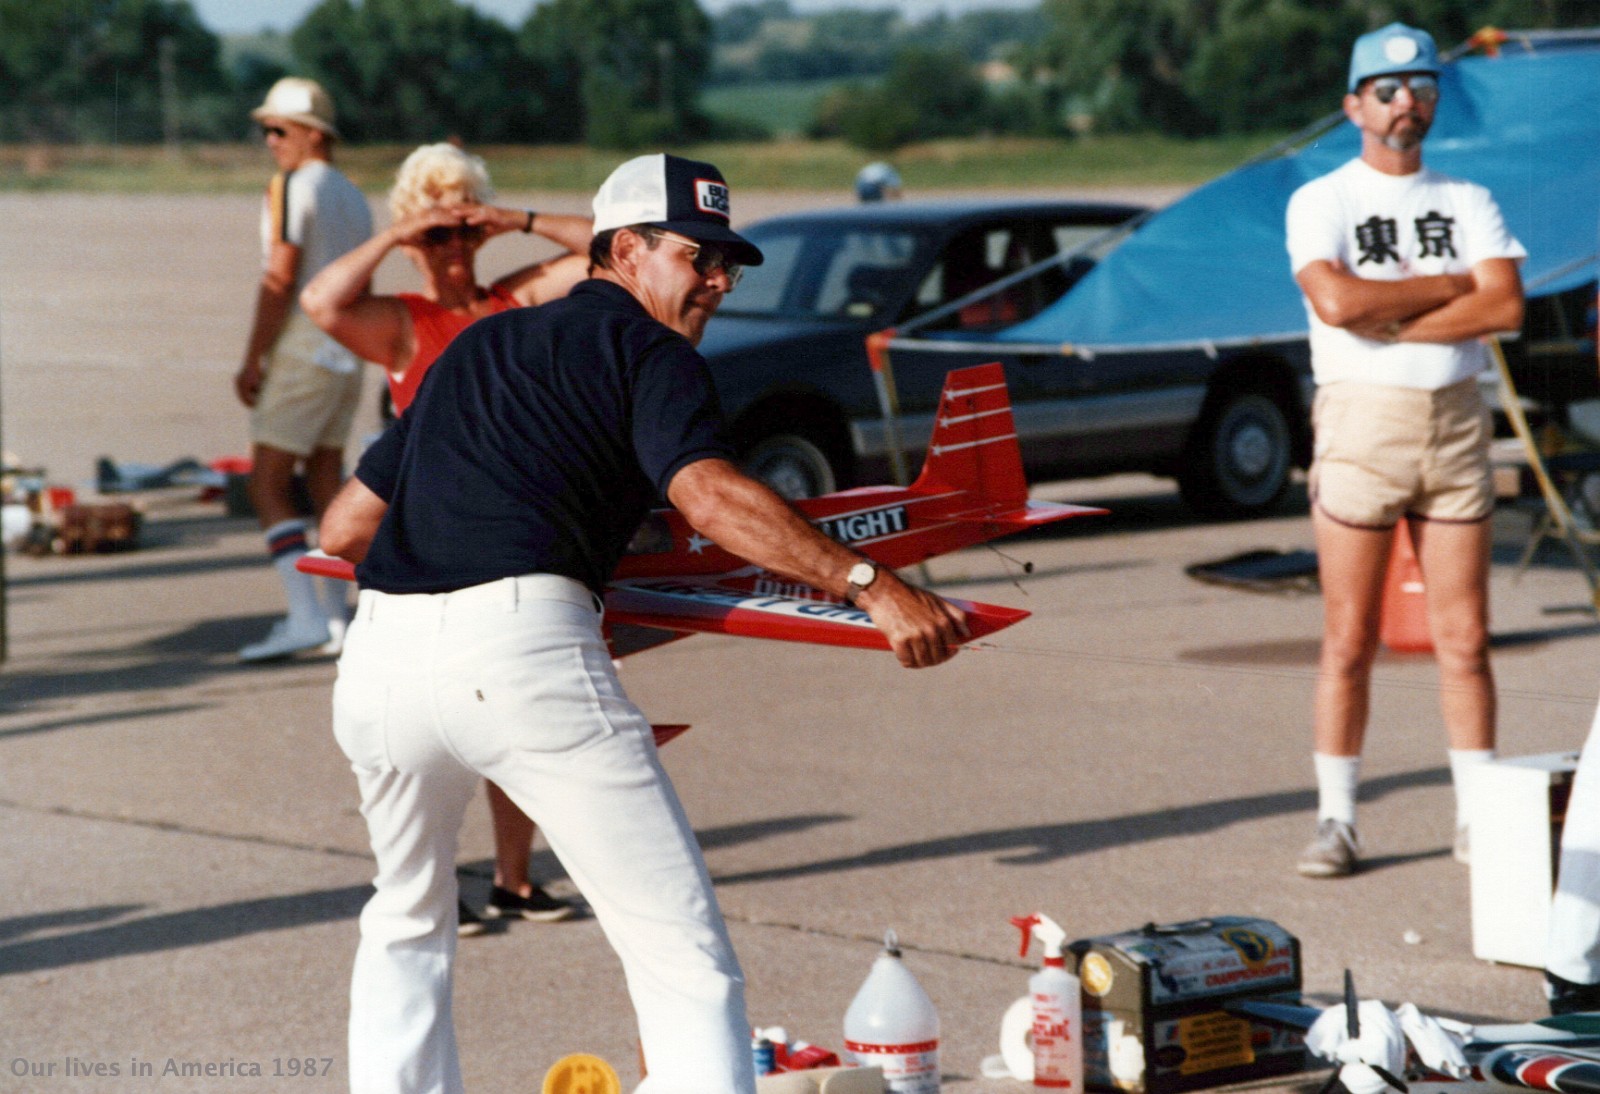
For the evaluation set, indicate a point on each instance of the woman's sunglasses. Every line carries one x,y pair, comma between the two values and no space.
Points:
445,233
1423,88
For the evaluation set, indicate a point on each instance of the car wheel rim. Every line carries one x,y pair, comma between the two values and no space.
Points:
1253,452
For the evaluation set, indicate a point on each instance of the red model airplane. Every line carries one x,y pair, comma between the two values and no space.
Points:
674,582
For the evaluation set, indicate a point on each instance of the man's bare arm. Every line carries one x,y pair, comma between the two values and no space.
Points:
1493,306
350,522
745,517
1341,299
272,312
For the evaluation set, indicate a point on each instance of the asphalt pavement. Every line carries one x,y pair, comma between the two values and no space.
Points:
184,862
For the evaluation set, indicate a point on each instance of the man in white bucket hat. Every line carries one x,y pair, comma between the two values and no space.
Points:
301,386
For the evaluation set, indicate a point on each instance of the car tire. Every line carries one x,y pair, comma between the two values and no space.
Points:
795,466
1240,456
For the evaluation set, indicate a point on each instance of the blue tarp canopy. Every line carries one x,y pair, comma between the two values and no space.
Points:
1211,268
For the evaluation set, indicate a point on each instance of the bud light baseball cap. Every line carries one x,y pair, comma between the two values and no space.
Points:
297,99
1391,49
679,195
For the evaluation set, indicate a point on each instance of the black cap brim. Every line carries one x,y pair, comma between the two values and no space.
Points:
736,246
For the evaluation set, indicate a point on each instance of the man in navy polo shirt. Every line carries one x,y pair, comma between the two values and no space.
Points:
485,524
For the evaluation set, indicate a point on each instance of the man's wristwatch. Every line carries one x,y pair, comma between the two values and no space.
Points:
860,578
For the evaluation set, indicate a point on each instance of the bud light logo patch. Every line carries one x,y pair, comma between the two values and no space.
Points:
711,197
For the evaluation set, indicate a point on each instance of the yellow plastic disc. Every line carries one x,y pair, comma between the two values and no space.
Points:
581,1073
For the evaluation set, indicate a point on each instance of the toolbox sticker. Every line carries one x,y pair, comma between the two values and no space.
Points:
1212,1041
1253,947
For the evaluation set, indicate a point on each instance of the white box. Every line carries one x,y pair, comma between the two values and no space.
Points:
1518,808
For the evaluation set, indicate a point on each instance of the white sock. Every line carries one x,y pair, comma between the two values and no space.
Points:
1337,778
1463,760
286,542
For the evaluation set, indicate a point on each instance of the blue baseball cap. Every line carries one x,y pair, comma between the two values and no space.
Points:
1391,49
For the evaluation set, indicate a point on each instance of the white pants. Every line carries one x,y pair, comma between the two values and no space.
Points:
1573,949
512,681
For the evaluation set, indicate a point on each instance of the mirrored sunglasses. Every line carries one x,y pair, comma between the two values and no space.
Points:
1423,87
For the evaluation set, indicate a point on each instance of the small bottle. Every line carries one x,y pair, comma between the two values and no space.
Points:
763,1055
1057,1008
891,1024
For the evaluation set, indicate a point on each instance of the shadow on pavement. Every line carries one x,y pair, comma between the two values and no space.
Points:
223,922
544,865
180,659
1037,844
179,930
254,560
83,720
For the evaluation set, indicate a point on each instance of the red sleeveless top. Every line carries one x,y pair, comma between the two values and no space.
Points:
433,327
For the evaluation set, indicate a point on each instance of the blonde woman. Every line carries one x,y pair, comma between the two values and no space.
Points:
441,217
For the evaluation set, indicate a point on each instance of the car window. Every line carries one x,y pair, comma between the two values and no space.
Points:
827,270
1070,237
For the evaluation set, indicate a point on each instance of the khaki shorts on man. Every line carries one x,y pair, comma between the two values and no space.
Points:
1383,453
309,393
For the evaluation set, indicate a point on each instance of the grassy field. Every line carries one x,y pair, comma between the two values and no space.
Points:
781,107
779,165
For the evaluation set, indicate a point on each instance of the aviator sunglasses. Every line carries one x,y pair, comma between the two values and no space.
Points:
1423,87
707,260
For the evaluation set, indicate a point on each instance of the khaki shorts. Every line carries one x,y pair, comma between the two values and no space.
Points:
1386,452
309,393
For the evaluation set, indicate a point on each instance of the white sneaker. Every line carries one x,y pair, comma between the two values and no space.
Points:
287,636
1334,853
334,646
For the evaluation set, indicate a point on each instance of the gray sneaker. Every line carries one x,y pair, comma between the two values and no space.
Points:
1333,853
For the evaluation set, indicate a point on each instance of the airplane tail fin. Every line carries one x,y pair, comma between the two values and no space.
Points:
974,444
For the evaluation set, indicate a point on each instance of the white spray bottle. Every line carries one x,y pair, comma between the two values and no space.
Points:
891,1024
1057,1008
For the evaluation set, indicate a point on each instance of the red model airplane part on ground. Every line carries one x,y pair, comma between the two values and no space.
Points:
674,582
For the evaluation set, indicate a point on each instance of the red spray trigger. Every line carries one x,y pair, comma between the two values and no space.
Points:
1025,924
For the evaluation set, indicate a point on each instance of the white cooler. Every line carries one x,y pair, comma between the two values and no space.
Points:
1518,807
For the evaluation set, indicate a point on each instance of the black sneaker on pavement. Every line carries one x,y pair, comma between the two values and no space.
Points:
538,906
1568,997
468,922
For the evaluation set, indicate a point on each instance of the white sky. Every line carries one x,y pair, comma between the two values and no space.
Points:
244,16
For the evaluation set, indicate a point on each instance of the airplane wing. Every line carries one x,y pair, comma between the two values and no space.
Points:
756,605
648,612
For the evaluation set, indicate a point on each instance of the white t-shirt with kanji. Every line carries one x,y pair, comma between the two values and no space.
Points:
1389,227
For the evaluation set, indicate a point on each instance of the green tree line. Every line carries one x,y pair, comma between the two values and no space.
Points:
627,73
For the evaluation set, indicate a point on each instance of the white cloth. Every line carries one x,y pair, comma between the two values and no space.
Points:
1381,1042
1440,1042
1573,944
1384,228
512,681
